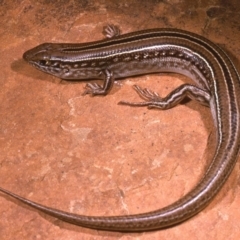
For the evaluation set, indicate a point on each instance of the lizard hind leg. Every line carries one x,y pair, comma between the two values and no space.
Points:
153,100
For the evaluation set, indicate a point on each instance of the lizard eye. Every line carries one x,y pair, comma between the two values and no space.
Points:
45,62
42,62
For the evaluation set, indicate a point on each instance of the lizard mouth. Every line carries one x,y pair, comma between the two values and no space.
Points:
27,56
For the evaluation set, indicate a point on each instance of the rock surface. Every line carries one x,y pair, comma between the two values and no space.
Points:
89,155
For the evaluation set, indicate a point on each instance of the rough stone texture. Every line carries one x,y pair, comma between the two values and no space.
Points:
89,155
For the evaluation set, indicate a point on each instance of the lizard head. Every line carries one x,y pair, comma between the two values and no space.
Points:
53,59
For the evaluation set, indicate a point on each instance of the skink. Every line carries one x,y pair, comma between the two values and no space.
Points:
217,85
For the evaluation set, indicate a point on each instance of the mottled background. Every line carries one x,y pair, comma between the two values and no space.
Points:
89,155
